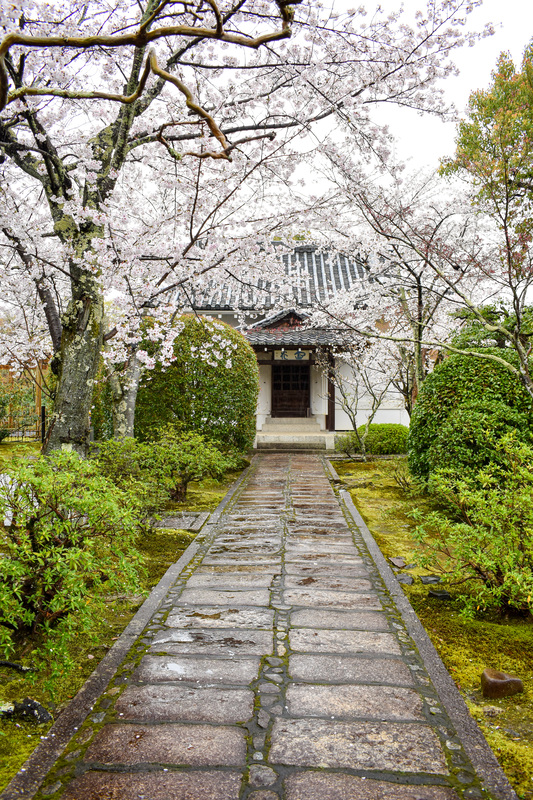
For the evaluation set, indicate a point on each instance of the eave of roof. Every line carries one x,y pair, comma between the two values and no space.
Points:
294,337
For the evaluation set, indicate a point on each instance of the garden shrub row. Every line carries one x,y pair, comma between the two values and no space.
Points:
470,443
380,440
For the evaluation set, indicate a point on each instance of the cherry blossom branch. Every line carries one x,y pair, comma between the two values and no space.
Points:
141,38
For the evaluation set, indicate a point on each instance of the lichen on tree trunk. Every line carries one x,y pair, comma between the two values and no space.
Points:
124,387
81,346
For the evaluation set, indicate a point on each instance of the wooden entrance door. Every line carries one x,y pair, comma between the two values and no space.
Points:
290,390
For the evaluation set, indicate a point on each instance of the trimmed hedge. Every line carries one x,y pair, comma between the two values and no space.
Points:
471,382
211,387
467,440
383,439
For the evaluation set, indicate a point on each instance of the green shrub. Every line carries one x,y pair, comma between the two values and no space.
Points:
211,386
162,469
488,547
467,440
129,464
67,531
386,439
460,380
381,439
182,457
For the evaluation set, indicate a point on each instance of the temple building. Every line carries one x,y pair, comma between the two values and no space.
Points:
297,405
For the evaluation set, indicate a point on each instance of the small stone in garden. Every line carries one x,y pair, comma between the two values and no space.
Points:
274,662
492,711
261,776
407,579
499,684
400,563
31,708
263,719
439,594
429,579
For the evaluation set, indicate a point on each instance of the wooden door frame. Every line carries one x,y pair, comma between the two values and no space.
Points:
307,365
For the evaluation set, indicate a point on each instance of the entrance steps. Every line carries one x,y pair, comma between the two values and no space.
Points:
294,433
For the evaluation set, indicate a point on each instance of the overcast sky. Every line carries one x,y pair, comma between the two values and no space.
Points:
423,140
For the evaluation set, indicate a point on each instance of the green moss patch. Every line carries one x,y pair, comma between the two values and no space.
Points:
466,647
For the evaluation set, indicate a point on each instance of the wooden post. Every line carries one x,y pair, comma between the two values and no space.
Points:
330,419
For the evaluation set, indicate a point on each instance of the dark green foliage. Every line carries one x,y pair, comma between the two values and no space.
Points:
386,439
487,546
68,531
382,439
466,440
457,381
211,387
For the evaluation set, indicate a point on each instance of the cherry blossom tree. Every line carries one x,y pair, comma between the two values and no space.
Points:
96,95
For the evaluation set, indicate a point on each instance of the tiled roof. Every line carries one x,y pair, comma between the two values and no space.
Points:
312,276
295,337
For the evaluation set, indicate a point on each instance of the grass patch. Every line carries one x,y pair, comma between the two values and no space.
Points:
160,547
10,450
467,647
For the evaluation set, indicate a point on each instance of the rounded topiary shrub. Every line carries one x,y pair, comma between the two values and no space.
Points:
459,381
210,387
385,439
467,439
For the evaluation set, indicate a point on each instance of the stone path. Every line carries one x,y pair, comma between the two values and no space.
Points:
277,666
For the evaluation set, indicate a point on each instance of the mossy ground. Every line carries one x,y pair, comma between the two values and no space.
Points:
467,647
9,450
160,547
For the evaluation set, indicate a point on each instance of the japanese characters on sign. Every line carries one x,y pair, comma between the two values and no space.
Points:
291,355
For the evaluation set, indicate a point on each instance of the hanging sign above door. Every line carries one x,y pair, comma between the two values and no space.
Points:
291,355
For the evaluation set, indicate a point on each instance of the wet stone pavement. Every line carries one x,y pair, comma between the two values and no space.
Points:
276,667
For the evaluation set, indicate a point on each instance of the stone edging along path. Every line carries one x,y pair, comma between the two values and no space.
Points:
278,659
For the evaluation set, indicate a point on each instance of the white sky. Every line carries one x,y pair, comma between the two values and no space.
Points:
423,140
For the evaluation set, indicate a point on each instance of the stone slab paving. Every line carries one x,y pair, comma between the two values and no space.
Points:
277,666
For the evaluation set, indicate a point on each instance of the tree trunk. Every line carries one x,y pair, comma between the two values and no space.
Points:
81,345
124,386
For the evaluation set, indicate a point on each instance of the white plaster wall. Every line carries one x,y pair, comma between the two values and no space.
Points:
264,400
391,409
319,400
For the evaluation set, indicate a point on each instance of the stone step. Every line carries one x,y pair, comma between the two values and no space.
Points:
285,425
295,441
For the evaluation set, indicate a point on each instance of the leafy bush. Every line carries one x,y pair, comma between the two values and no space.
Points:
67,531
457,381
129,464
162,469
381,439
211,386
467,440
489,546
182,457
